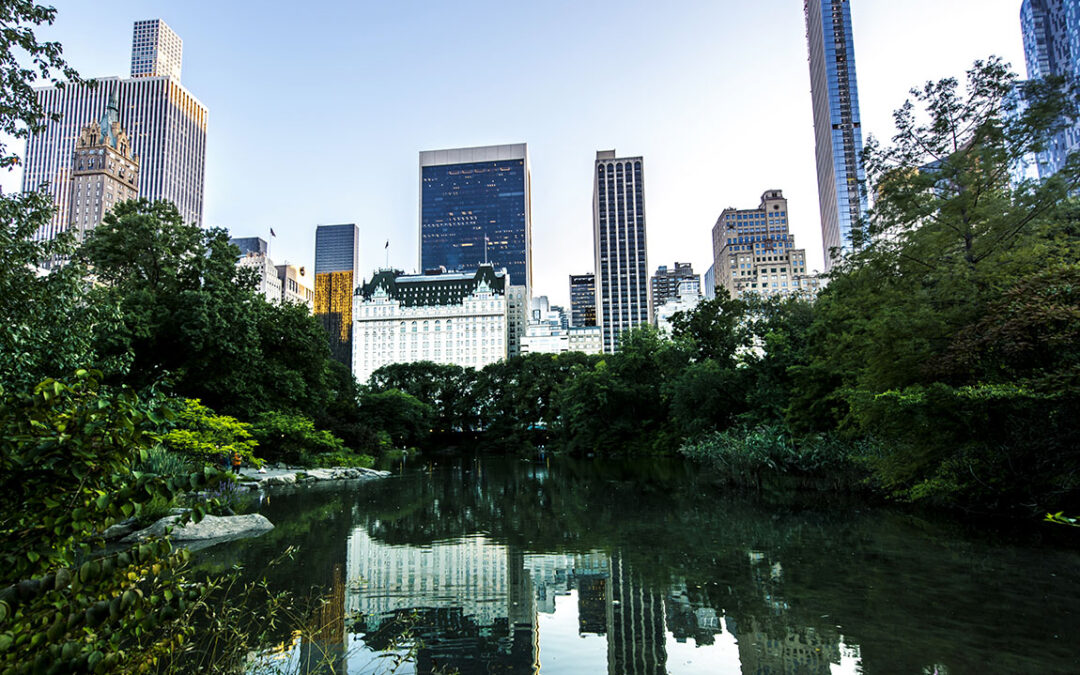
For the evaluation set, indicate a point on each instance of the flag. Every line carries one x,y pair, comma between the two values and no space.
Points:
272,232
387,245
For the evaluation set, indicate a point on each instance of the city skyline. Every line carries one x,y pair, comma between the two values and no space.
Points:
693,129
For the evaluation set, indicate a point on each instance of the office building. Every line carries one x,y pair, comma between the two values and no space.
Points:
104,171
165,123
457,318
337,254
1051,30
475,208
267,282
549,332
582,300
665,283
517,317
754,251
837,125
622,277
686,299
295,286
709,290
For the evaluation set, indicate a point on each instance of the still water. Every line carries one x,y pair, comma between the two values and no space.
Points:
501,565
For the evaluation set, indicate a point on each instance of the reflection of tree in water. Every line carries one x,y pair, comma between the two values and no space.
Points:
780,576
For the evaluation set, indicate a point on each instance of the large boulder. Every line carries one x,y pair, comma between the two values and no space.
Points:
210,527
283,479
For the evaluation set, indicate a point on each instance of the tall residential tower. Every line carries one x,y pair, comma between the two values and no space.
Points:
166,125
622,276
837,126
475,208
337,256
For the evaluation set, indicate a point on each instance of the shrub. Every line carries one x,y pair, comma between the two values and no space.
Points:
205,436
163,462
285,437
332,459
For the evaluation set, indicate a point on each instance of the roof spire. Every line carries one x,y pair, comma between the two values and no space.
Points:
110,117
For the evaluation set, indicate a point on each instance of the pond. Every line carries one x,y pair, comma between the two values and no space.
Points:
502,565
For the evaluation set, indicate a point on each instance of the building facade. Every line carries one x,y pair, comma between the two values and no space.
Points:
686,298
709,289
337,256
619,245
104,171
665,282
156,51
549,332
452,318
582,300
837,125
475,208
166,126
754,251
517,317
1051,30
295,286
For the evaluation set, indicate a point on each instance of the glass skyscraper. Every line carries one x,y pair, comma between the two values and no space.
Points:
622,277
166,125
1051,31
837,126
475,207
582,300
337,255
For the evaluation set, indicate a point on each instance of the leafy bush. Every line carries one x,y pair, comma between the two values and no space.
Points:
743,455
332,459
284,437
204,436
163,462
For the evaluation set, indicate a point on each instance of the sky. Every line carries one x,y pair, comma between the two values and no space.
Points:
318,110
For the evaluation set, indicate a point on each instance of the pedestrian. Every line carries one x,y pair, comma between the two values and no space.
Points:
236,461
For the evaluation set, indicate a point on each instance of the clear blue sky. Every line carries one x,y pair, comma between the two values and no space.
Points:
318,109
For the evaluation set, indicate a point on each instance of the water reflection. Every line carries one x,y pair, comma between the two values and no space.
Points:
508,567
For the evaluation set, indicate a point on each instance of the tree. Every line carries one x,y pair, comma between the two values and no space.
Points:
401,415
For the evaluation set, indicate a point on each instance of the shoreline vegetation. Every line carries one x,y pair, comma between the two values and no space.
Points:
939,366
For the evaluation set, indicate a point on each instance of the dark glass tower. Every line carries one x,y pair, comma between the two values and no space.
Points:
837,126
582,300
475,207
337,253
622,277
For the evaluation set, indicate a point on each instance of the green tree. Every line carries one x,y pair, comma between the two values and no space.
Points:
200,434
405,418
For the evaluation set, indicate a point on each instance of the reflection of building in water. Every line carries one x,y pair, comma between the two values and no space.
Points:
322,652
636,624
799,650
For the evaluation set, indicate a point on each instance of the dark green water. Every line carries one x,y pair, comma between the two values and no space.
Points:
509,566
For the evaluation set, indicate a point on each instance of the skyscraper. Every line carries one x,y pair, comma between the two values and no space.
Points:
1051,31
582,300
104,171
337,255
837,125
165,122
475,207
622,277
664,284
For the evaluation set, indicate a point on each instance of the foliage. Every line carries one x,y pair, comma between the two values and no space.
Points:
163,462
1061,519
448,389
335,459
24,64
203,436
284,437
70,606
404,418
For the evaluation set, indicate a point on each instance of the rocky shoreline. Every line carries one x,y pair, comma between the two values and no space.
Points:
254,480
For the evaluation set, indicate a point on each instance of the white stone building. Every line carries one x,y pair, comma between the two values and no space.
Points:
689,295
455,318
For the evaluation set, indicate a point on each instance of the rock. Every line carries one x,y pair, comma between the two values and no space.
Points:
322,474
375,472
210,527
120,530
283,479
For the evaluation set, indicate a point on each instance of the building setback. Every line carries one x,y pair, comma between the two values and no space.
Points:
337,254
622,277
475,207
665,283
582,300
166,125
104,172
1051,30
837,124
453,318
754,251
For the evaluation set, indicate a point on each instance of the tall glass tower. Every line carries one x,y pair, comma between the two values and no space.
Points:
837,126
1051,31
337,255
475,207
619,246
